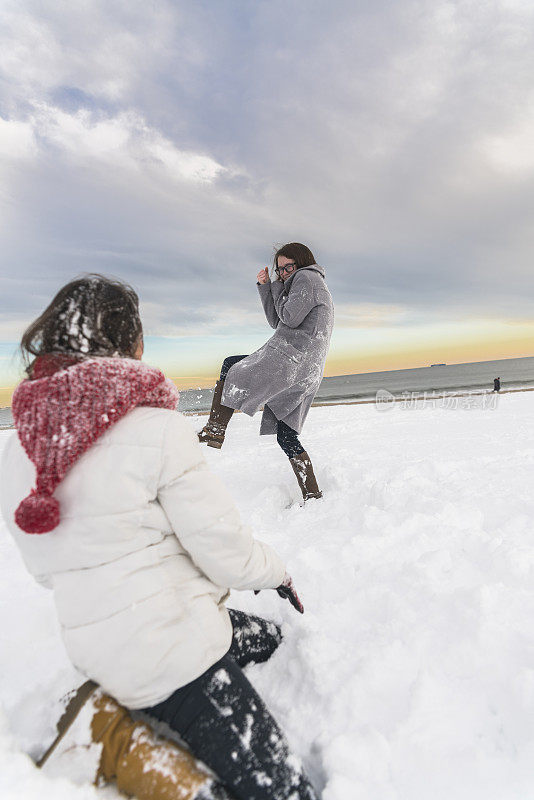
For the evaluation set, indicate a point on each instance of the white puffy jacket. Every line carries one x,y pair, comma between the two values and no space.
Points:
148,545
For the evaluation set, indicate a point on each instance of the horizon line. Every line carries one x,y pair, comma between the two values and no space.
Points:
7,391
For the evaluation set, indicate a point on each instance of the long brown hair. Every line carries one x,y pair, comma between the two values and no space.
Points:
90,316
299,253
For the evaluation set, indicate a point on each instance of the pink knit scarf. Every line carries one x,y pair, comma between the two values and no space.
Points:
64,408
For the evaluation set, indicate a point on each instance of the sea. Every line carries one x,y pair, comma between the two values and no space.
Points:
476,376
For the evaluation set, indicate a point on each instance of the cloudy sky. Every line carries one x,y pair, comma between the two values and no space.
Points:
175,144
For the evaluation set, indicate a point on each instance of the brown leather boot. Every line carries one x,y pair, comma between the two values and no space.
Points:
213,432
99,742
303,469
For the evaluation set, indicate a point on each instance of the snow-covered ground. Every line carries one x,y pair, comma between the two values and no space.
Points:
411,674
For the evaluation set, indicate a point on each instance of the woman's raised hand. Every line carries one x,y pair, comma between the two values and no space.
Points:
263,276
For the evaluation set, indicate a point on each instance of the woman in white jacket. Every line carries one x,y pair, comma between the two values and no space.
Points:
141,543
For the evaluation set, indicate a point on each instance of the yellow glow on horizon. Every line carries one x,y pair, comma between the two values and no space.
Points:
383,362
194,382
6,393
449,343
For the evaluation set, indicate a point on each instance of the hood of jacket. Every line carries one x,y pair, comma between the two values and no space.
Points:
64,408
311,268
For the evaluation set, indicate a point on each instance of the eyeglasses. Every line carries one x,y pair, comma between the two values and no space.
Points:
286,268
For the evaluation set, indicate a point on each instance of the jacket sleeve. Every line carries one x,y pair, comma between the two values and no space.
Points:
205,519
293,307
267,302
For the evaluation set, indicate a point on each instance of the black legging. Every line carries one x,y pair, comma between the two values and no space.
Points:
227,725
285,436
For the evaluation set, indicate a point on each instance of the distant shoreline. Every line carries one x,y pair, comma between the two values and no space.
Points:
415,397
408,397
436,382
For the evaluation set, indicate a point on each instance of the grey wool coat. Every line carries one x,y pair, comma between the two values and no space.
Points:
285,373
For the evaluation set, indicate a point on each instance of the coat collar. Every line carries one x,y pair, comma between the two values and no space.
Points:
311,268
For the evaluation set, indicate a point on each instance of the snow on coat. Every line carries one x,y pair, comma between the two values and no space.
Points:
285,373
148,545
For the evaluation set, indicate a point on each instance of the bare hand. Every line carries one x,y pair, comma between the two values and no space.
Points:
263,276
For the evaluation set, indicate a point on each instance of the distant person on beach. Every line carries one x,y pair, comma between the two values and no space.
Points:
140,544
284,375
496,384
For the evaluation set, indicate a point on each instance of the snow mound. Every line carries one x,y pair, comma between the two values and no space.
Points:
411,674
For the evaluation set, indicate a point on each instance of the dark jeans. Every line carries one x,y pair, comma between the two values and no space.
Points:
285,436
227,725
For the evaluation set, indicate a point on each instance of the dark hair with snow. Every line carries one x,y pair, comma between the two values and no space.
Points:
299,253
90,316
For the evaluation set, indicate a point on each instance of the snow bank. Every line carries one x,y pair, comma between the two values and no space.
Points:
411,674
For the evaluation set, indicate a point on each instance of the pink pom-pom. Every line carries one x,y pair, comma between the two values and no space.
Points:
38,513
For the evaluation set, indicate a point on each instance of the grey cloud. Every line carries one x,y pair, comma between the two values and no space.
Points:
367,130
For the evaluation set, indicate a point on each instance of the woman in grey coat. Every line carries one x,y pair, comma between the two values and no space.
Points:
284,375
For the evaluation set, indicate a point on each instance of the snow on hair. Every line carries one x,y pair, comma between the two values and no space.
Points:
90,316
